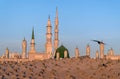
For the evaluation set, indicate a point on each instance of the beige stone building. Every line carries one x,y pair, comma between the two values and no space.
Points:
111,55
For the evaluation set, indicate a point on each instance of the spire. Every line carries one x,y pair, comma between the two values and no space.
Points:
111,48
56,12
24,39
7,48
76,47
49,23
33,33
56,19
88,45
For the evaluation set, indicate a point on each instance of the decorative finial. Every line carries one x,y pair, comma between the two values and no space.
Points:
56,11
6,48
97,51
24,38
49,17
88,44
111,48
49,23
76,47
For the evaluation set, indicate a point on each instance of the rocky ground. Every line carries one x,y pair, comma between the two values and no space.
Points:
72,68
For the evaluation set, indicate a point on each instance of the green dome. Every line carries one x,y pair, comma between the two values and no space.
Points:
61,50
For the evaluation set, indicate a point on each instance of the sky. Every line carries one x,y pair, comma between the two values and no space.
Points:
80,21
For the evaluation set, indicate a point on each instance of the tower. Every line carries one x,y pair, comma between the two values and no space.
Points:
32,52
56,38
7,53
88,50
97,54
32,44
49,38
24,48
111,52
101,50
77,52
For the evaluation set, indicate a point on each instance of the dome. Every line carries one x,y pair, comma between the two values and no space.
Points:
61,50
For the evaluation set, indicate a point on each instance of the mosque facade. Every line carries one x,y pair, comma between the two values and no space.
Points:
52,49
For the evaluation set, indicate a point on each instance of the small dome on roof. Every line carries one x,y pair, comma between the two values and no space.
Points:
61,50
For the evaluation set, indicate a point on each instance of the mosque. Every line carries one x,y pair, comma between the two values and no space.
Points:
52,49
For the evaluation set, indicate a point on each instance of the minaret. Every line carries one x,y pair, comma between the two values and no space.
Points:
111,52
97,54
24,48
77,52
49,38
101,50
56,37
32,44
7,53
88,50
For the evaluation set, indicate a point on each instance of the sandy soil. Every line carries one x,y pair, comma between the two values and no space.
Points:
72,68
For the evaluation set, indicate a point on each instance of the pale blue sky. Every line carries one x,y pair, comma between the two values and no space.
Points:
79,22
